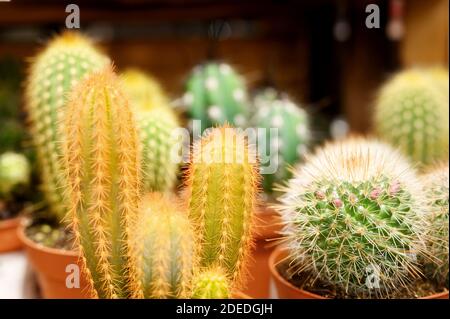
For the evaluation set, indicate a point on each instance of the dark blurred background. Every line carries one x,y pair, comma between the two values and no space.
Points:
319,51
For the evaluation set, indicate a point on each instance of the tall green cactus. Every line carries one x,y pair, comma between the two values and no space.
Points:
222,185
354,218
412,112
436,189
64,61
211,284
164,246
101,153
275,111
157,123
216,94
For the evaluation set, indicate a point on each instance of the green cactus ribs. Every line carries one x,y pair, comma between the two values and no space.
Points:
216,94
211,284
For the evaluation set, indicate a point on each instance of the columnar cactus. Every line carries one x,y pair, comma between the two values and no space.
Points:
144,91
156,124
290,144
164,246
211,284
354,218
64,61
436,189
216,94
103,171
222,185
14,171
412,112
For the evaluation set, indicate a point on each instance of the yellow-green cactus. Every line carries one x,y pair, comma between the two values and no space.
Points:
101,153
64,61
211,284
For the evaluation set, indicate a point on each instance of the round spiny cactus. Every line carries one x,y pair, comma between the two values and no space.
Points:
436,189
157,123
216,94
64,61
14,171
354,217
211,284
286,147
163,245
412,112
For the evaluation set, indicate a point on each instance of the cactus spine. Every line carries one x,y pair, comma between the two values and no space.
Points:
156,124
66,59
164,245
102,160
436,190
222,184
277,111
355,209
216,94
211,284
412,112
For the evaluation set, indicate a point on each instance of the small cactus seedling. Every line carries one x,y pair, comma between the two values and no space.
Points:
222,186
144,91
103,170
156,124
211,284
216,94
65,60
412,112
354,218
290,144
436,191
14,171
164,247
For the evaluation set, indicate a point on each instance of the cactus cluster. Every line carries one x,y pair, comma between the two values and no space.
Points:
290,144
65,60
412,112
216,94
436,189
14,172
157,123
353,211
103,171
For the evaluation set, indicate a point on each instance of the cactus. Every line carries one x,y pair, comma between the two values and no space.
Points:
293,135
14,171
65,60
101,153
216,94
353,214
144,91
164,245
156,124
211,284
222,185
412,112
436,191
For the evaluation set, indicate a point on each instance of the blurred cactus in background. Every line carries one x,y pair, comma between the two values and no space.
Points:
355,209
64,61
14,172
290,144
101,153
222,187
216,94
412,112
436,189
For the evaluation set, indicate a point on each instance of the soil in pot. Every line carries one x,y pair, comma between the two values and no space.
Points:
57,266
306,283
9,222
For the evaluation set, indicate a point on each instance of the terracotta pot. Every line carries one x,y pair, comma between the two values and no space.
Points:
267,227
9,241
50,267
286,290
239,295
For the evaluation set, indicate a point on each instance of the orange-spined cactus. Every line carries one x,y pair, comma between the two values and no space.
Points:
222,184
102,160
